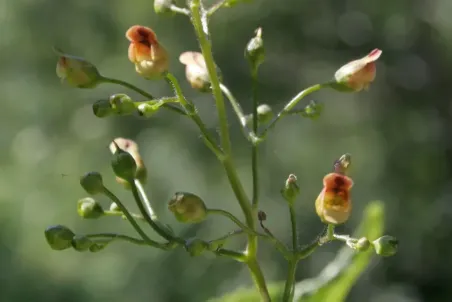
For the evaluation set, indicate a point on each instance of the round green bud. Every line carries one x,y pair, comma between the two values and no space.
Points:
255,51
103,108
187,207
124,165
122,104
163,7
59,237
81,243
291,189
97,247
386,246
362,244
264,114
146,110
114,207
92,183
89,208
195,246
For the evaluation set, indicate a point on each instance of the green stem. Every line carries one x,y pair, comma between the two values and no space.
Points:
292,103
132,221
215,7
145,199
231,254
330,232
200,24
293,221
140,91
193,114
235,105
117,213
117,236
259,279
163,233
254,150
290,281
179,10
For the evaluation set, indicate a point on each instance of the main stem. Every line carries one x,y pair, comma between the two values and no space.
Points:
290,281
199,20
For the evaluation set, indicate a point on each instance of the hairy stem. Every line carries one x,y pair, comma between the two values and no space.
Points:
145,199
290,281
113,236
291,104
193,114
162,232
293,222
200,24
142,92
132,221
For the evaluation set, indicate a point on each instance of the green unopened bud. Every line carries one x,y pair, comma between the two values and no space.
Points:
89,208
77,72
146,110
264,114
81,243
187,207
59,237
291,189
360,245
92,183
103,108
313,110
98,246
255,51
123,164
386,246
163,6
195,246
343,164
114,207
363,244
122,104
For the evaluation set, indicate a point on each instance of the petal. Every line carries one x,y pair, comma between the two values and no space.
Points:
337,181
141,34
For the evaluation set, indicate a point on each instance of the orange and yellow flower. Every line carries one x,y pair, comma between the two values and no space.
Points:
333,205
196,70
358,74
148,55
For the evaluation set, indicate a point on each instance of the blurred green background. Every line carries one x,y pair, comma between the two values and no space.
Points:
398,133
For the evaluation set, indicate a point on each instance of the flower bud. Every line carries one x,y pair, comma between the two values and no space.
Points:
342,164
131,147
92,183
255,51
122,104
358,74
123,164
291,189
187,207
333,205
363,244
146,110
261,216
386,246
163,6
98,246
114,207
89,208
81,243
77,72
149,56
59,237
264,114
312,110
103,108
196,70
195,246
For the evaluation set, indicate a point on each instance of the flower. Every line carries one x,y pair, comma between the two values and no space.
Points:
148,55
333,205
196,70
358,74
77,72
